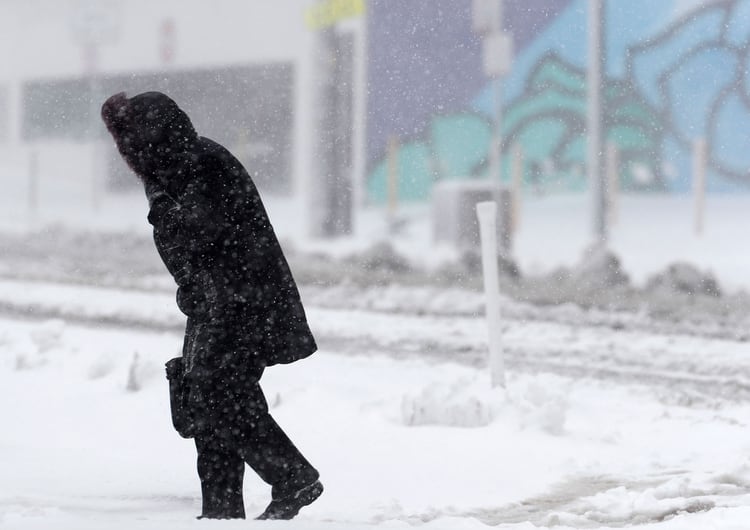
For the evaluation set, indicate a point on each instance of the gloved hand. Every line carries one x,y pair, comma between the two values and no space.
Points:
175,369
159,202
153,191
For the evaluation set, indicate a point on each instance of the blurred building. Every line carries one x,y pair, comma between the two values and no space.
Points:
243,70
310,93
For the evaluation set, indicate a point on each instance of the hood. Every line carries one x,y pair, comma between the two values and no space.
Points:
151,131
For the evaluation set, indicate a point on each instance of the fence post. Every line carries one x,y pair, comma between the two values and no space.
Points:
504,220
699,184
393,158
487,214
33,191
613,179
516,186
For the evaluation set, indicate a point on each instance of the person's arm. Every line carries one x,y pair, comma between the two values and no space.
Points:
193,222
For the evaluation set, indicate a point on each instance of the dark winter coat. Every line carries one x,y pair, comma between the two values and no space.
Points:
214,236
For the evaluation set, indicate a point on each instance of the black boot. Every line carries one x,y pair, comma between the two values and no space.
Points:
289,506
221,472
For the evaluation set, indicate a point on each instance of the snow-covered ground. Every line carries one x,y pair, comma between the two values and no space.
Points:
611,418
600,427
706,362
80,450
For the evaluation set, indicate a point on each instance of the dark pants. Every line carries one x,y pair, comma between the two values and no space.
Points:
257,441
236,429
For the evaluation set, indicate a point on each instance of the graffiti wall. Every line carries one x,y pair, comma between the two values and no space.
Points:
676,71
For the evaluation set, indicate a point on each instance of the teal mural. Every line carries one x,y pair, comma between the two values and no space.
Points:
676,71
549,122
454,147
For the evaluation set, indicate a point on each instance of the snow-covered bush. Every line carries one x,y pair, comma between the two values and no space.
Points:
685,278
101,367
47,335
599,269
29,352
382,257
471,262
28,360
140,372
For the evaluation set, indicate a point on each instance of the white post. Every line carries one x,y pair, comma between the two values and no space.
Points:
699,184
487,214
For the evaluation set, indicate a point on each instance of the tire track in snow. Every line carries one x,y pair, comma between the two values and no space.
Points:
710,367
573,502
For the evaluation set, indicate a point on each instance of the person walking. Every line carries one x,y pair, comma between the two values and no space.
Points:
243,308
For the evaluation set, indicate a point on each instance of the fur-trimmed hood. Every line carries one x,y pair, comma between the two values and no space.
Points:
152,133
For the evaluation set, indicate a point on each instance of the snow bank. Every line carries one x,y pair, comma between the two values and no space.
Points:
461,404
638,502
537,403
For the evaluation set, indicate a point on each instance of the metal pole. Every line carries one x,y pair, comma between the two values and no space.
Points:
325,131
360,118
495,26
91,52
498,93
596,171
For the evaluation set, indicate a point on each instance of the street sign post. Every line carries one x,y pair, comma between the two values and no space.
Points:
337,103
94,23
330,12
486,16
497,58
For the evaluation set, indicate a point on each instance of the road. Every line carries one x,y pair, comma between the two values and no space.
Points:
694,363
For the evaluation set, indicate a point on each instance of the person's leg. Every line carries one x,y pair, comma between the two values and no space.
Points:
276,460
268,450
238,414
221,471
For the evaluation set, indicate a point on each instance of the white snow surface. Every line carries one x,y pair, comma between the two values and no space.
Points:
608,419
597,428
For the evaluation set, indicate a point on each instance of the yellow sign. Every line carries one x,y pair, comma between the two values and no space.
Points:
329,12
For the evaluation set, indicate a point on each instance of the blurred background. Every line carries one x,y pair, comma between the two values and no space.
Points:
611,132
